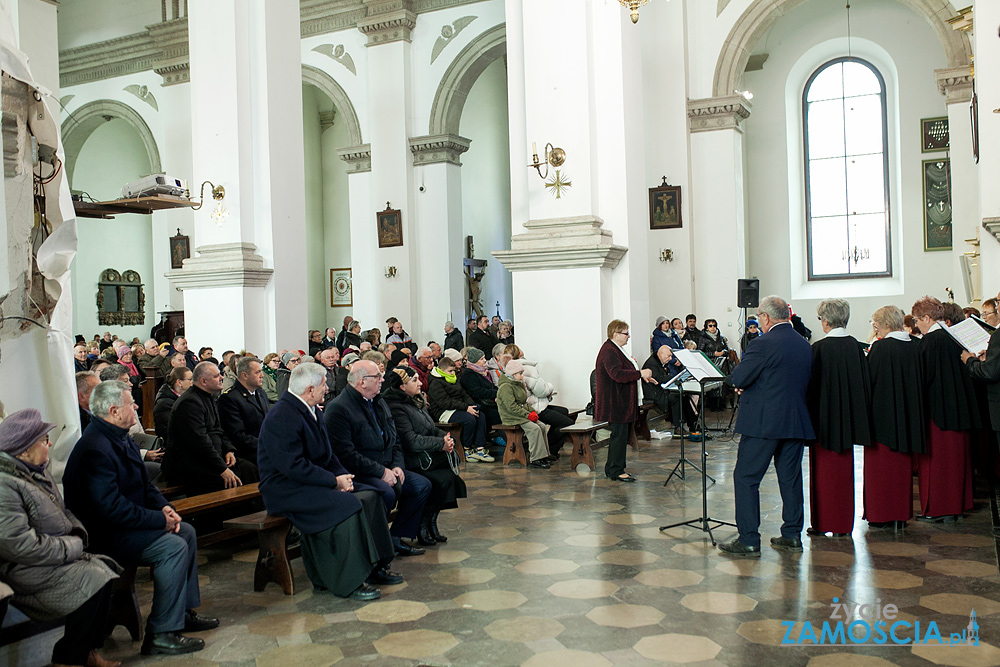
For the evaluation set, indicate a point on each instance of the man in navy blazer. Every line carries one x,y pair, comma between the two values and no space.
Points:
773,423
108,489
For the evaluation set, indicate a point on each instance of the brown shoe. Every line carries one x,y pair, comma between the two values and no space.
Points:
94,659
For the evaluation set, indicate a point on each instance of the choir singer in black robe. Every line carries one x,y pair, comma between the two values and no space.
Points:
945,470
986,368
840,406
898,421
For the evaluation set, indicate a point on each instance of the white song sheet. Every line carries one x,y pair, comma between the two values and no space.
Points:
970,335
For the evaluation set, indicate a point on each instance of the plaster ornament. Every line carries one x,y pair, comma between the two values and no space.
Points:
556,184
448,33
65,99
339,54
142,92
220,215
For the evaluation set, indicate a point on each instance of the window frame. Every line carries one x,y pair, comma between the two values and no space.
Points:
810,275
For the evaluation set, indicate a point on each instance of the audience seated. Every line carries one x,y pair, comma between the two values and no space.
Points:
289,360
351,338
399,337
179,345
540,395
178,381
450,403
315,342
85,383
376,358
504,334
229,371
753,332
436,352
661,334
127,518
328,360
477,385
452,337
512,400
343,371
691,330
80,358
481,336
330,338
664,368
422,362
272,362
243,407
155,362
494,367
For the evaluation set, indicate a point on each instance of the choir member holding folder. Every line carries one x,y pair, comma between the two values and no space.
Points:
945,470
897,419
839,403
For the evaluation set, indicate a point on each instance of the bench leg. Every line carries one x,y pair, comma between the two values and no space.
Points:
456,435
642,425
272,561
581,450
632,440
125,605
515,448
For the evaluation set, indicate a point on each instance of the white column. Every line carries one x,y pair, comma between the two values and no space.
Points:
247,287
986,46
365,271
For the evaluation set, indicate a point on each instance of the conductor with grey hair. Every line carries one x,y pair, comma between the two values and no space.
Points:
773,423
346,547
127,517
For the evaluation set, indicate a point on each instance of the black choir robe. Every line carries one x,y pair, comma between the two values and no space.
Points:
839,395
949,398
897,390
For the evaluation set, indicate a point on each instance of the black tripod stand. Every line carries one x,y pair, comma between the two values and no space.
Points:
704,522
678,470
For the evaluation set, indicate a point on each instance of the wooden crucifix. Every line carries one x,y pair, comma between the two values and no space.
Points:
475,271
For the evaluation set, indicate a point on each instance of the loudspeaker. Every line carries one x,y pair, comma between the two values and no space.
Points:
747,293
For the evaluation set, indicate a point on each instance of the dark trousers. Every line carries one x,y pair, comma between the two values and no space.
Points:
676,410
411,496
174,558
473,428
752,460
615,464
557,417
85,628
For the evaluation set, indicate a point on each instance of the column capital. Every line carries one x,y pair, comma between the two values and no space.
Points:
173,62
992,225
437,148
326,120
955,83
222,265
358,158
388,21
718,113
562,243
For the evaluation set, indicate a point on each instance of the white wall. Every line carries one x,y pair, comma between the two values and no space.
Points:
112,156
336,220
87,21
313,247
486,185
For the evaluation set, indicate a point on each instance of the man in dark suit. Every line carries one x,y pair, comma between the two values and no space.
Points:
243,407
363,436
180,346
452,337
773,423
199,455
665,367
85,383
986,367
108,489
482,338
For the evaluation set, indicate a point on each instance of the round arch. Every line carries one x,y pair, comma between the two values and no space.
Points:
81,124
325,83
760,16
458,79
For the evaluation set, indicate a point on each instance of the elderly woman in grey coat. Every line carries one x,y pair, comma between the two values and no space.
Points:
41,546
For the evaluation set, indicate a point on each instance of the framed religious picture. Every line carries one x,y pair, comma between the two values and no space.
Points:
665,206
937,204
180,249
934,134
341,292
390,227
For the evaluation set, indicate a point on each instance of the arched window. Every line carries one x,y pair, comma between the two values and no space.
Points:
847,172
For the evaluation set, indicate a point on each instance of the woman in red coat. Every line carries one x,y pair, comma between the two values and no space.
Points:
616,398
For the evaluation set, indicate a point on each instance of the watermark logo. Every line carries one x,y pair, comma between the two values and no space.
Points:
875,625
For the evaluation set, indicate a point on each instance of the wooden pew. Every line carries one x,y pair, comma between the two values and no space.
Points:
580,435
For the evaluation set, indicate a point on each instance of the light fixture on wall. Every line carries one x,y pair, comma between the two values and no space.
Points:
390,272
553,156
220,214
633,7
666,255
745,94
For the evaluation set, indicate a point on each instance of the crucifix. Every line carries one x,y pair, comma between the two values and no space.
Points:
475,271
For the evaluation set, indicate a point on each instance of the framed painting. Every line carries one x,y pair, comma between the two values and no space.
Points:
937,204
390,227
934,134
341,291
665,207
180,249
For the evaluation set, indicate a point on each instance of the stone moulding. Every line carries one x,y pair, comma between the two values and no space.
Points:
438,148
385,28
358,158
955,83
562,243
992,225
222,265
718,113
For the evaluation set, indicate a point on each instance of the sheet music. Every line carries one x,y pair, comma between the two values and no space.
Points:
970,335
683,376
986,325
700,366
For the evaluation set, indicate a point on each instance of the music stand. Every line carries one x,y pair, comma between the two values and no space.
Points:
684,460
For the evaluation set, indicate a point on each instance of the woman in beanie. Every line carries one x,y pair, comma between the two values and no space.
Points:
425,448
450,403
512,400
476,383
41,546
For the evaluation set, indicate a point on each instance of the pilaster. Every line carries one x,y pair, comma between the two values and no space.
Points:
438,148
222,265
718,113
562,243
955,83
358,158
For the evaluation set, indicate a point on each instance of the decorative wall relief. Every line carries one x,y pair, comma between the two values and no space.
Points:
65,100
341,293
143,93
121,300
934,134
448,33
937,204
338,54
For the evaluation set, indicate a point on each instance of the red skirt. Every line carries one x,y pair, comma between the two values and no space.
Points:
946,473
831,489
888,492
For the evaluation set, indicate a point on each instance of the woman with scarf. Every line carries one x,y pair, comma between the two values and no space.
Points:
662,335
425,449
272,362
512,399
450,403
476,383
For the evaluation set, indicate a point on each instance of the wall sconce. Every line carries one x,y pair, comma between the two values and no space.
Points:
666,255
554,156
220,214
390,272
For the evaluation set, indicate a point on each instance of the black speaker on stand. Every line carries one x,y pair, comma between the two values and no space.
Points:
747,293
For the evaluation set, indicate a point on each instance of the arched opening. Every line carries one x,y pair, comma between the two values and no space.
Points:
78,127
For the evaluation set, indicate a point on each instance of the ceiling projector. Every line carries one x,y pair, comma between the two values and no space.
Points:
155,184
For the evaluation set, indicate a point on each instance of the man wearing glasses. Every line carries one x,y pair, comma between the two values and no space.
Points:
363,436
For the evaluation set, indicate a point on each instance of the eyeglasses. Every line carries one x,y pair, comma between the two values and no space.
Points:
294,360
371,377
624,333
711,326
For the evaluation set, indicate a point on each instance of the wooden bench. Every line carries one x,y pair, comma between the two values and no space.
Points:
580,435
170,490
642,423
515,450
456,435
274,557
193,505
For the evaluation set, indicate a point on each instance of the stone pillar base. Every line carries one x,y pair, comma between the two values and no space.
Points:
222,265
561,243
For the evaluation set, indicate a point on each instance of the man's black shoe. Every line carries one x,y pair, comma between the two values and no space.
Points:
738,549
540,463
404,550
170,643
195,623
384,577
787,543
365,593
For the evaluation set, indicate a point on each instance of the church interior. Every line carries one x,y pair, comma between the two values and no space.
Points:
559,164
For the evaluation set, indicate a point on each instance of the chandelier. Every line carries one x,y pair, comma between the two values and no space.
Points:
633,7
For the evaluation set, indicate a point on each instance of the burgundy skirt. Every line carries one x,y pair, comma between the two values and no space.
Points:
888,492
945,473
831,489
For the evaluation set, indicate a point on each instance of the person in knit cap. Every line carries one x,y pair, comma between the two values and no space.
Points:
512,401
476,383
42,543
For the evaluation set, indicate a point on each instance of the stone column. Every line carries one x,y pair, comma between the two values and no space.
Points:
718,210
365,271
247,286
571,274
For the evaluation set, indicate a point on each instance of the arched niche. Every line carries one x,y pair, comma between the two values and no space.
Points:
325,83
458,79
762,14
81,124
